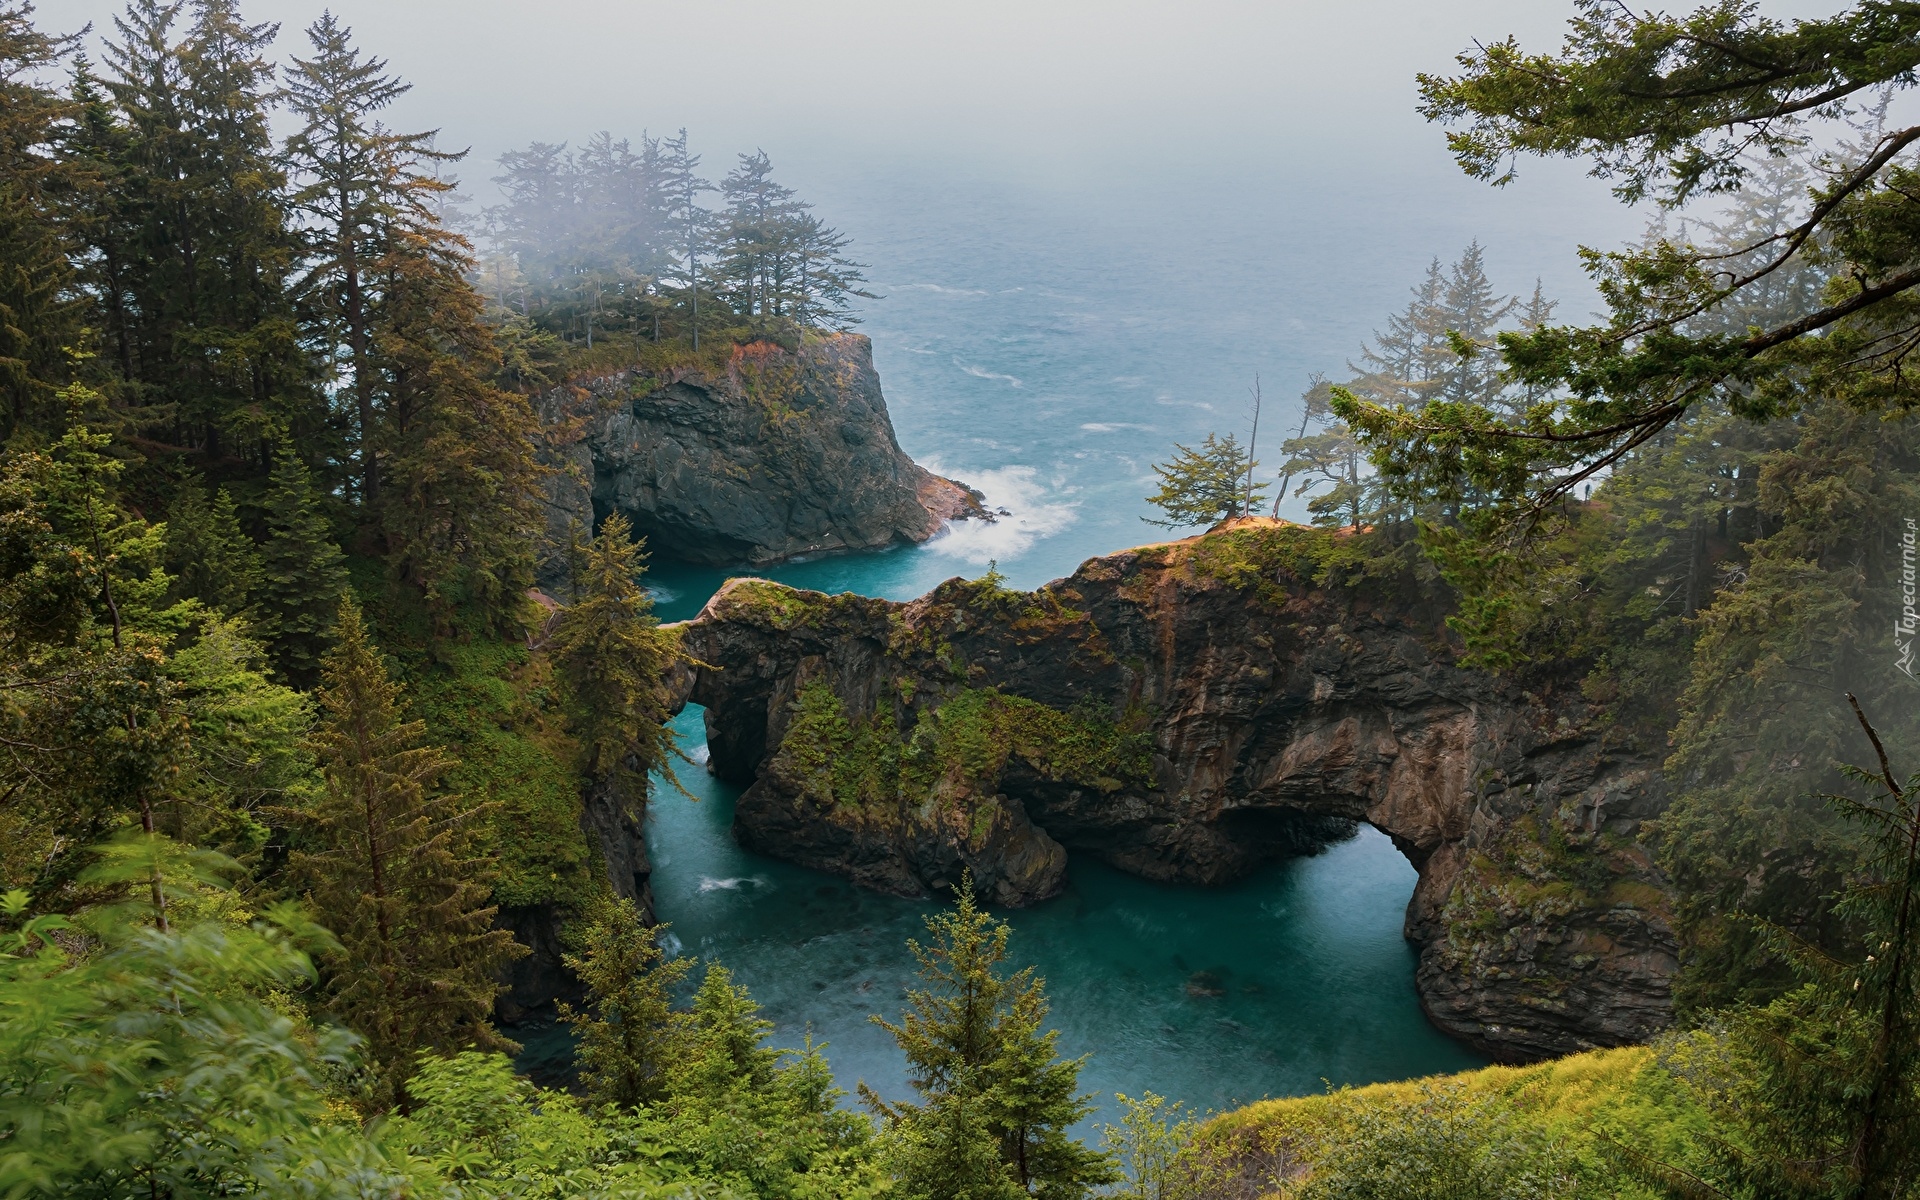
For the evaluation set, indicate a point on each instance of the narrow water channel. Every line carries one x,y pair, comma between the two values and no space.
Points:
1214,996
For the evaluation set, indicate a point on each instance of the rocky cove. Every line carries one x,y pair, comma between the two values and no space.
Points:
1187,712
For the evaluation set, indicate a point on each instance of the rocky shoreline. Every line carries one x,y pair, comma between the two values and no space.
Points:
778,453
1189,711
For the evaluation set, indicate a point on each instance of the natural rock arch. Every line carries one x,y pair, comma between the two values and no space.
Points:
1267,706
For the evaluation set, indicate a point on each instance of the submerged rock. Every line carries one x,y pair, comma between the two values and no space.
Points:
1189,711
775,454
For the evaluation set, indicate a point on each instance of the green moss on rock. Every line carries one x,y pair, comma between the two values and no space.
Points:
960,748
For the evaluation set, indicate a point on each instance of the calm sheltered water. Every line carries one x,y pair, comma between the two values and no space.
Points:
1214,996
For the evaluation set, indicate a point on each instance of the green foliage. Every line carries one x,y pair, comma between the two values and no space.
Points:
988,1074
1206,486
1439,1142
486,1132
627,1037
387,860
615,658
1676,107
208,556
155,1065
1154,1145
302,573
970,738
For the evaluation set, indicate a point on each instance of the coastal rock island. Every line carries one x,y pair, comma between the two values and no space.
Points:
1188,711
762,453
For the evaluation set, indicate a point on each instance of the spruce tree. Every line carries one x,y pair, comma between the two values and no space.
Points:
301,573
341,152
1035,1098
1205,486
208,555
628,1033
388,860
39,314
198,230
992,1087
724,1031
614,656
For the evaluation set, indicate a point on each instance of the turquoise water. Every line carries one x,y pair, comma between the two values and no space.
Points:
1049,360
1214,996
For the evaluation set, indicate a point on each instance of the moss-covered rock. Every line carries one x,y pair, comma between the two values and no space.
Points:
1189,711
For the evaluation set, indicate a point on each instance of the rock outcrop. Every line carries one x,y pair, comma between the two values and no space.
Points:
610,821
775,454
1189,711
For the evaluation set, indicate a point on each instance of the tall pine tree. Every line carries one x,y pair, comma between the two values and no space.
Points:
39,311
301,573
992,1085
388,860
627,1034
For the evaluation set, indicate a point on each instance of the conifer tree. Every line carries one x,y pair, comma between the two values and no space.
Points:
199,230
615,657
388,861
1207,485
1035,1099
404,321
992,1085
301,573
724,1030
38,312
344,155
692,224
208,555
628,1033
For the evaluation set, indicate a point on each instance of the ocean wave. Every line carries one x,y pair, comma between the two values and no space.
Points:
709,884
983,373
1034,511
934,287
1114,427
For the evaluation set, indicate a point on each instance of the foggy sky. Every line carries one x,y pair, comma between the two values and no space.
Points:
1206,121
1051,90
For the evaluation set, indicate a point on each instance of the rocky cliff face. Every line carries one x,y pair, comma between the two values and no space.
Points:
1188,711
611,821
778,453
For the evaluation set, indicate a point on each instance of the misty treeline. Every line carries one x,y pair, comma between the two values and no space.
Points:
614,238
1440,346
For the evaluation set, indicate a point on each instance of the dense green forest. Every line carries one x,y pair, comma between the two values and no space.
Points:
269,703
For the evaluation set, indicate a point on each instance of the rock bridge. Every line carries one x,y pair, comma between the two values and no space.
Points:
1188,712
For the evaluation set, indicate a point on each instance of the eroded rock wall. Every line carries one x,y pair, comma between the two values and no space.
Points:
1189,711
778,453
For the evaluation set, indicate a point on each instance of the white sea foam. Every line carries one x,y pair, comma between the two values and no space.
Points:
1036,510
661,595
699,754
1114,427
983,373
709,884
934,287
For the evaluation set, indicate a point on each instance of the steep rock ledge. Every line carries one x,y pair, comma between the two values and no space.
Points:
778,453
1188,711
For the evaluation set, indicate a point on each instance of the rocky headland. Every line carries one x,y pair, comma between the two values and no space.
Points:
776,452
1188,711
